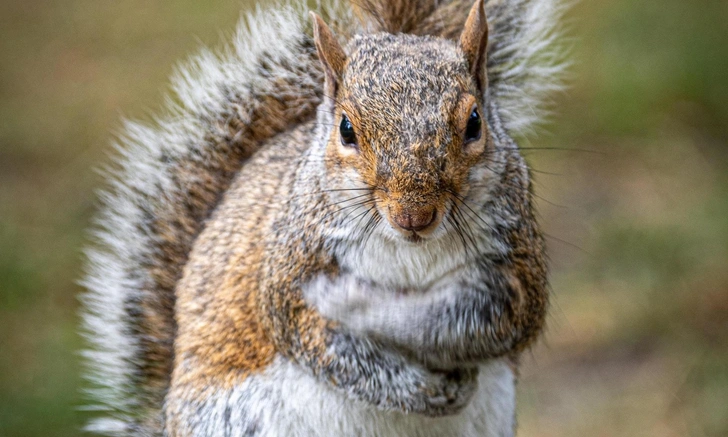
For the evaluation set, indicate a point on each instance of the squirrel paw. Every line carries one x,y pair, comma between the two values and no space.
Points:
453,391
387,380
449,393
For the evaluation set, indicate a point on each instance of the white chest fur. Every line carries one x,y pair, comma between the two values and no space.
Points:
285,401
385,258
397,264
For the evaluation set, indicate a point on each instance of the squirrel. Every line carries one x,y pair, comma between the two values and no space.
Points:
332,233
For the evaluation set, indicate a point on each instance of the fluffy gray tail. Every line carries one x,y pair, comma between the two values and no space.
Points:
163,185
169,176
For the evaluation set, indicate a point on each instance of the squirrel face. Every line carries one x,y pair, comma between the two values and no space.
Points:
410,127
407,121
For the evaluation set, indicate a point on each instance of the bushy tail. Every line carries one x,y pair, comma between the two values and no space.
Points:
169,176
164,184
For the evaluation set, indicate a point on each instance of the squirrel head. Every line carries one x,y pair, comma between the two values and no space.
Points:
406,117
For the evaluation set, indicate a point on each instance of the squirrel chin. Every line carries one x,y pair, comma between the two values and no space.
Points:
410,238
415,238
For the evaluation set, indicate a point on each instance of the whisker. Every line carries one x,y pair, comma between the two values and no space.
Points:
568,244
467,232
313,193
561,149
368,229
465,203
458,227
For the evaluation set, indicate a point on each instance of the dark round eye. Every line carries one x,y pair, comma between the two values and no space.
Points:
346,129
472,131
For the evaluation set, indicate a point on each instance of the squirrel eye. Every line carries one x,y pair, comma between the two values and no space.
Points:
472,131
346,129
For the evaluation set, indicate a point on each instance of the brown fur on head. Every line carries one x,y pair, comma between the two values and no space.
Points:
404,113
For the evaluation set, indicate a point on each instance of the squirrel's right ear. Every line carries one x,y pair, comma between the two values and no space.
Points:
330,53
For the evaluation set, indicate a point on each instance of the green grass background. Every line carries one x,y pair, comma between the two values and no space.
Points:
637,342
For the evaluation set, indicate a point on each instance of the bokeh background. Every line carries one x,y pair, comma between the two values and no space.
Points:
632,185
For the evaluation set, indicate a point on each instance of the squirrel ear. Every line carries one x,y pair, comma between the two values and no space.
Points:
330,53
474,42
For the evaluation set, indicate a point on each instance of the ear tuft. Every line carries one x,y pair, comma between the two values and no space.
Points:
330,53
474,43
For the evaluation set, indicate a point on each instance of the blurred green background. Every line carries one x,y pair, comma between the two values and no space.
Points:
637,342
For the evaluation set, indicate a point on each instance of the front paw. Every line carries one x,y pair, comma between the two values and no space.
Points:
447,393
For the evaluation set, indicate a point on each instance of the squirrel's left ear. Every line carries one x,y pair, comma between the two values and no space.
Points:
474,43
330,53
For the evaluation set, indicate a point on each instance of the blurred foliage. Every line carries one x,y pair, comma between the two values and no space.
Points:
637,343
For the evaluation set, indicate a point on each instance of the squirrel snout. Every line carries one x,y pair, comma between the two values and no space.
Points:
415,219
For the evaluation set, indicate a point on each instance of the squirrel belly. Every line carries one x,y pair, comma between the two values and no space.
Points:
284,400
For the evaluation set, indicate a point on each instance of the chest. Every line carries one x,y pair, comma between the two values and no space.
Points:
401,265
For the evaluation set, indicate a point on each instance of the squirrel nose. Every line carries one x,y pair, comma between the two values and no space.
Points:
415,219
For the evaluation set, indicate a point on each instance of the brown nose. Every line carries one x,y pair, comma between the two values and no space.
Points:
415,219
